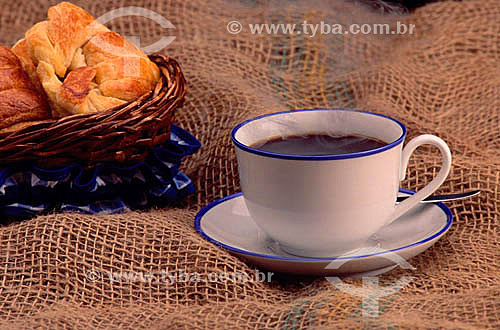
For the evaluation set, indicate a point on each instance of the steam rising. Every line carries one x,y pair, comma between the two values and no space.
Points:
304,65
319,144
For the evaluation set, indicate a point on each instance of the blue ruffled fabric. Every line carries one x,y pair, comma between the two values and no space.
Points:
27,191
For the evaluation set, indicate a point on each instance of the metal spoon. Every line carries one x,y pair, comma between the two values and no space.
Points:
444,198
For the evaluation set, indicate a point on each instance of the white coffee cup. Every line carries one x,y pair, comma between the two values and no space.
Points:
326,205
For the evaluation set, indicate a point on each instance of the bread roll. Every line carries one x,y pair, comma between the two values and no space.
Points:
21,52
20,103
83,66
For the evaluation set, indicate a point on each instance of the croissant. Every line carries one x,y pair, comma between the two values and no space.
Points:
21,104
82,66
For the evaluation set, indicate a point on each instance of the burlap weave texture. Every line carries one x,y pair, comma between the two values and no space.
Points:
444,80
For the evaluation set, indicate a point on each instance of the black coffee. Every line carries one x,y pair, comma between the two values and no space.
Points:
319,144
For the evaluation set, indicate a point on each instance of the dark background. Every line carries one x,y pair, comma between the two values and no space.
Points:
391,4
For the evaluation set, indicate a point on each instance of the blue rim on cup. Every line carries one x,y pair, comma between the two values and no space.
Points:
316,157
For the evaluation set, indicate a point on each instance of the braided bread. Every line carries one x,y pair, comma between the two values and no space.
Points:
82,66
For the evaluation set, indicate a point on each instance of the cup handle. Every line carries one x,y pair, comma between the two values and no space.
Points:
407,204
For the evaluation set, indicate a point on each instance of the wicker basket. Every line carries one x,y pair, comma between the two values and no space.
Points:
125,134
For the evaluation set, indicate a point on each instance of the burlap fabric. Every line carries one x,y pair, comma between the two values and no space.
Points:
444,79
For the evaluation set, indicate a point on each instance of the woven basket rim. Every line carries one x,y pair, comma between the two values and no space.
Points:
145,121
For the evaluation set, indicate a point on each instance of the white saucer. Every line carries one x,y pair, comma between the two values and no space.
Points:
226,223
